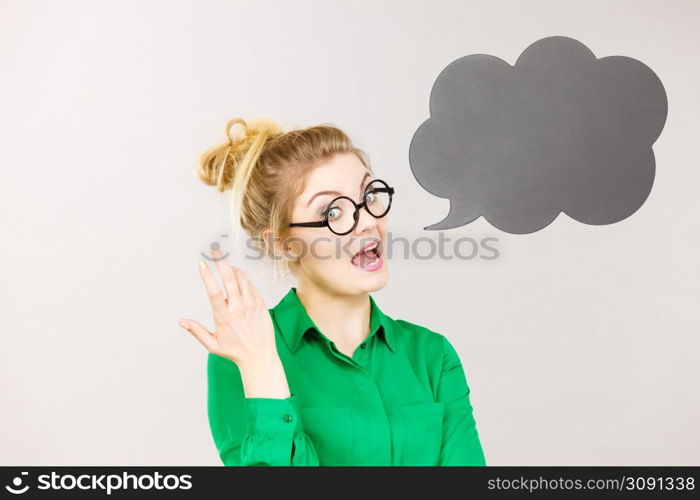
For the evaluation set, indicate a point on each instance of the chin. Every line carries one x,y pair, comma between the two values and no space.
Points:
372,281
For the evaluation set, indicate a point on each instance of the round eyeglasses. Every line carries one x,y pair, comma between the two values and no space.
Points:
342,214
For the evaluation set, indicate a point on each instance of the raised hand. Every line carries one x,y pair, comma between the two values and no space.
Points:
243,329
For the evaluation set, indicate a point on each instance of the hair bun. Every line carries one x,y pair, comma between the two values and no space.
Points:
218,165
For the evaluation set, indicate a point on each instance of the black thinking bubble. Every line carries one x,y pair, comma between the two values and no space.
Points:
561,131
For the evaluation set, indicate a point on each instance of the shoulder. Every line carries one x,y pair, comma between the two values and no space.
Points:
416,331
420,338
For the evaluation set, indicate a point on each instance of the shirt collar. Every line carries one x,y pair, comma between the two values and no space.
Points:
294,322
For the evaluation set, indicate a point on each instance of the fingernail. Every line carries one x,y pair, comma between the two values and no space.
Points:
202,265
184,325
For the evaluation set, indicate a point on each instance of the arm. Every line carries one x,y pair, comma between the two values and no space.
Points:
460,442
250,431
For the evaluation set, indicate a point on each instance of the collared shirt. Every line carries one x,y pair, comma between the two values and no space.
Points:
401,399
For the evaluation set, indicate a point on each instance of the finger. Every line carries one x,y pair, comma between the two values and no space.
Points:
247,288
247,296
228,276
216,298
204,336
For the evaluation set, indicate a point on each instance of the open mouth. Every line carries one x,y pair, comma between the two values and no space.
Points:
369,258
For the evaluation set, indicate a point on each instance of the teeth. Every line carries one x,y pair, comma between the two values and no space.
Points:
366,249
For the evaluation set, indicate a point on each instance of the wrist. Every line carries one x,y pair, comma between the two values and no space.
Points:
260,364
264,378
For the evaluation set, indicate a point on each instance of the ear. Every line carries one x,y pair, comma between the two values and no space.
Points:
279,249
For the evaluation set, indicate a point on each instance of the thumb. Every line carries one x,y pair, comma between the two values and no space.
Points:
200,333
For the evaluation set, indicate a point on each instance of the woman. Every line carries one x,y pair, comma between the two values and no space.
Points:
324,377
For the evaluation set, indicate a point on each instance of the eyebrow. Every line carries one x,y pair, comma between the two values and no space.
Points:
335,192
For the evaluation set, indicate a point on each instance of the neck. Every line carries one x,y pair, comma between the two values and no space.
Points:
344,319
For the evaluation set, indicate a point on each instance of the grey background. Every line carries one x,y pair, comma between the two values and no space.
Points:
580,342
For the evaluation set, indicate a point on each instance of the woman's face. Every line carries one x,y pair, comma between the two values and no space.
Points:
325,258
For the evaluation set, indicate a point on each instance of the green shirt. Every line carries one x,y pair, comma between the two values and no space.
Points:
401,399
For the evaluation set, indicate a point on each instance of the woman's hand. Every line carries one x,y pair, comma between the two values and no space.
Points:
243,330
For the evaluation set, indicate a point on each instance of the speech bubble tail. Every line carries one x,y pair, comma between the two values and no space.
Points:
443,224
450,221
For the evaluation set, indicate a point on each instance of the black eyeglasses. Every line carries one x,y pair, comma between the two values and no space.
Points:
342,214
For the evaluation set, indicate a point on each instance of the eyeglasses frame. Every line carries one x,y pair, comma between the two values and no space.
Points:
356,215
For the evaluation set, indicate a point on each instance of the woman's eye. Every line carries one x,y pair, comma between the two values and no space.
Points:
331,212
324,210
369,196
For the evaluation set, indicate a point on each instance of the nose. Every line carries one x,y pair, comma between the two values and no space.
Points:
366,223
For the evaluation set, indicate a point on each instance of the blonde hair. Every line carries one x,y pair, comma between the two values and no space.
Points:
266,168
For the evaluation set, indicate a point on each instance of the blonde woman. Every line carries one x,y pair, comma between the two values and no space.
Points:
324,377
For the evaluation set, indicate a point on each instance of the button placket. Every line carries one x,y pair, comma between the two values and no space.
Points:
359,355
379,434
336,352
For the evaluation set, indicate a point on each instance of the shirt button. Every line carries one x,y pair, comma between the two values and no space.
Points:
362,346
287,418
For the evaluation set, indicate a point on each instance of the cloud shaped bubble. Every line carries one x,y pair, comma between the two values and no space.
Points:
560,131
